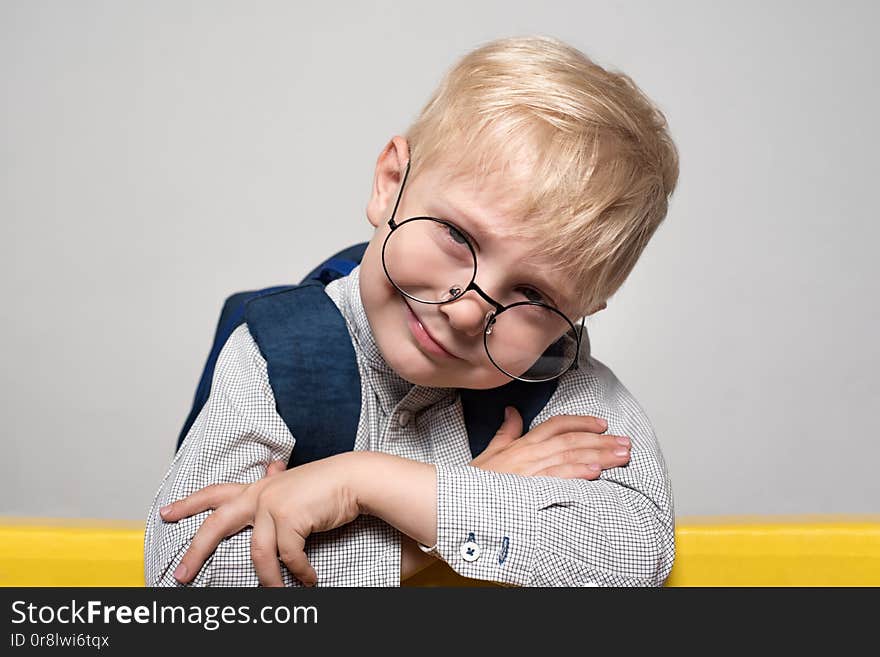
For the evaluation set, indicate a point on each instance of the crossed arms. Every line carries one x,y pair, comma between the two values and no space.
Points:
546,528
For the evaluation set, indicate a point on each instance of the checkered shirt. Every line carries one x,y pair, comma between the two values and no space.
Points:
617,530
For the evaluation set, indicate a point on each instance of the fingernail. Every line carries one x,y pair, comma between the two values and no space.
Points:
164,510
507,412
623,440
621,452
180,572
594,466
604,423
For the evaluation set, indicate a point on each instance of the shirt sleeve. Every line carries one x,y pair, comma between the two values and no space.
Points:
617,530
237,434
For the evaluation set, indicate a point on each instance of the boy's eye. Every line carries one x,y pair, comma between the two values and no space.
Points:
457,235
535,295
531,293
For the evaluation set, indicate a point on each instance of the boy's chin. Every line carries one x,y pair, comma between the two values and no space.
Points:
419,370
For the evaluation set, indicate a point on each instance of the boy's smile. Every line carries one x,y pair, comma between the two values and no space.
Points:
424,338
441,345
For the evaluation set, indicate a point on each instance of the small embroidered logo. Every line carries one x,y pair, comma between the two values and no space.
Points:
502,556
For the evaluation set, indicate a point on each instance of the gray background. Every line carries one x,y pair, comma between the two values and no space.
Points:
159,156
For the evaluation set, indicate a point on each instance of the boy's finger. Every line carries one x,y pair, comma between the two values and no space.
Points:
510,430
602,457
264,551
582,455
209,497
291,549
214,529
571,471
565,423
563,446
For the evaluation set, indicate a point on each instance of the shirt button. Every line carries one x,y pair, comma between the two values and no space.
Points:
470,550
403,418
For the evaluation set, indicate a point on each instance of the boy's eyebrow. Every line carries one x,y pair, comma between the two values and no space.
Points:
562,300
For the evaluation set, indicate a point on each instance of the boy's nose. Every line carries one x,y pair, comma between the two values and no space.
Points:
467,314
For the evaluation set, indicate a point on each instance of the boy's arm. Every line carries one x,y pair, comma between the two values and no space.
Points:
617,530
234,438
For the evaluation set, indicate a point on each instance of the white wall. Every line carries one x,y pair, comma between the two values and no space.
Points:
158,156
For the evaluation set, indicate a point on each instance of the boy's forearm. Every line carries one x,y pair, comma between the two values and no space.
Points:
400,491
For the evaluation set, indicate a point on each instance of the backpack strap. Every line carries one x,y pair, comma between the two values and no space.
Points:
312,368
232,315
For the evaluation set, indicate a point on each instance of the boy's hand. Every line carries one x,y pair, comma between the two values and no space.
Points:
215,496
284,508
568,446
313,497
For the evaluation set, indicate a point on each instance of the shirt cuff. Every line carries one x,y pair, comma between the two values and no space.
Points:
486,523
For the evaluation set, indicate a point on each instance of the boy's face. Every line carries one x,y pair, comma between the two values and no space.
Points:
503,263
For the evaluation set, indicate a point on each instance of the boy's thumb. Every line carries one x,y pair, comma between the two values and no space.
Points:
510,429
512,420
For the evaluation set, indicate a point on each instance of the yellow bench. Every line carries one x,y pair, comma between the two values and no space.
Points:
795,550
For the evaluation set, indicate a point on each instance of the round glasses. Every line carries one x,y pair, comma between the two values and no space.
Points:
431,261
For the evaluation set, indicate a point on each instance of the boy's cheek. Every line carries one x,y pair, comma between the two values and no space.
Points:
387,316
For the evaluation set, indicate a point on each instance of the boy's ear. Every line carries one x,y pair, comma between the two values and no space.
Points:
386,181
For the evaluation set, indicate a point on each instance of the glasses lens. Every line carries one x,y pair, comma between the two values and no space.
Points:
428,260
532,342
432,262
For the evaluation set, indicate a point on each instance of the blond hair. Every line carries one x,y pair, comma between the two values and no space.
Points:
601,162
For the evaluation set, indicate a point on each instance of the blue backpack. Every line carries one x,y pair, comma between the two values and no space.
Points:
313,369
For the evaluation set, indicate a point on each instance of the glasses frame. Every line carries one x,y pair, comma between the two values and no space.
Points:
498,308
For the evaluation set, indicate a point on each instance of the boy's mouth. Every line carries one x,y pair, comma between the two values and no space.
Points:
420,333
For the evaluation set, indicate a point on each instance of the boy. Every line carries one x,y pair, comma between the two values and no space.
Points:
532,175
